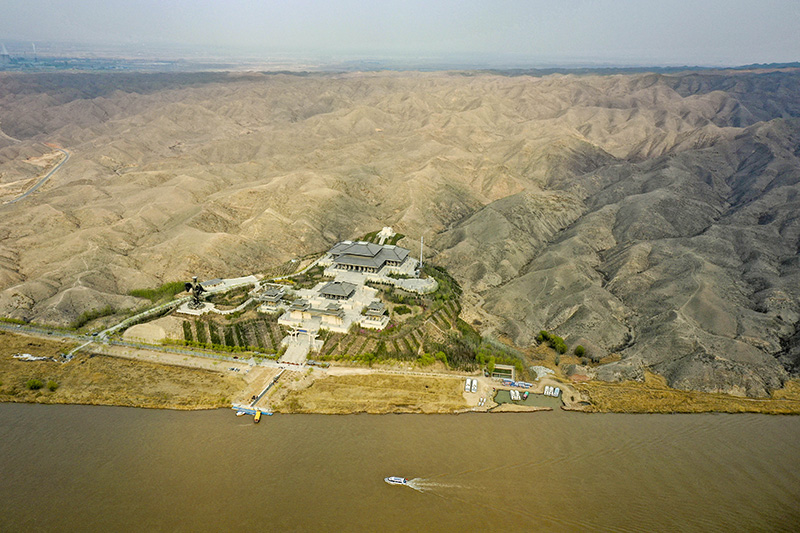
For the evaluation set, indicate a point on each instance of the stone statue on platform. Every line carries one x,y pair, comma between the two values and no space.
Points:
197,290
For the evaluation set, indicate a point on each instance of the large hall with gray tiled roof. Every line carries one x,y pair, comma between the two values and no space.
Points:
366,257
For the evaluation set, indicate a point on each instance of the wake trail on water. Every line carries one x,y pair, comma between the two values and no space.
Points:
436,488
427,485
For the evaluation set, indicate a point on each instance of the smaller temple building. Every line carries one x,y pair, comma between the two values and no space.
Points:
330,316
375,316
270,299
338,290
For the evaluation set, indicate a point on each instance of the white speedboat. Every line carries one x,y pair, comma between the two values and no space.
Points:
394,480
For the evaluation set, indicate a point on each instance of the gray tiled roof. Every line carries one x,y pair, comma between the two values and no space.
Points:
299,305
360,248
272,294
375,308
329,312
363,254
341,289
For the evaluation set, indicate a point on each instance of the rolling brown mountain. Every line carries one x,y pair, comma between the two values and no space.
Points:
650,215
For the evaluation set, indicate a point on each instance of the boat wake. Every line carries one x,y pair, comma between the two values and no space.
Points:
426,485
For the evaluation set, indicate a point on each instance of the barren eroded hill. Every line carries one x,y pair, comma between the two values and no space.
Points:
651,215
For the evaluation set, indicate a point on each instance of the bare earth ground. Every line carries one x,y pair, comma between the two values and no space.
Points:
104,380
168,327
371,393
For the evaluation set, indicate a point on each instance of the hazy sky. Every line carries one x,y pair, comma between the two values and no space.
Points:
697,32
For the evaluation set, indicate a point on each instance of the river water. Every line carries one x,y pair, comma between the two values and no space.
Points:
85,468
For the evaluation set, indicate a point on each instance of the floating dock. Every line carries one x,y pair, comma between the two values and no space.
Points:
250,410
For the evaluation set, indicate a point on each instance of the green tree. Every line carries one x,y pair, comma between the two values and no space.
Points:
490,365
557,343
368,357
580,351
425,359
200,327
52,385
34,384
380,350
187,331
229,336
214,330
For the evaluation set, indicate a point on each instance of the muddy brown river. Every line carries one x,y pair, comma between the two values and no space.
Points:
85,468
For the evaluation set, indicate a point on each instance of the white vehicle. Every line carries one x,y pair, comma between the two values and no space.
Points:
468,386
474,385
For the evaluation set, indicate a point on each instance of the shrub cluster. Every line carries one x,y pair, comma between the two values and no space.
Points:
167,290
92,314
448,289
371,236
554,341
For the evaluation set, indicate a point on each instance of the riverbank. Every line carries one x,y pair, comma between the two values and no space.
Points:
107,380
152,379
654,396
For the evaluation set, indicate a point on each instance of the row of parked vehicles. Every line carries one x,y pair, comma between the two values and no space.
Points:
555,392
